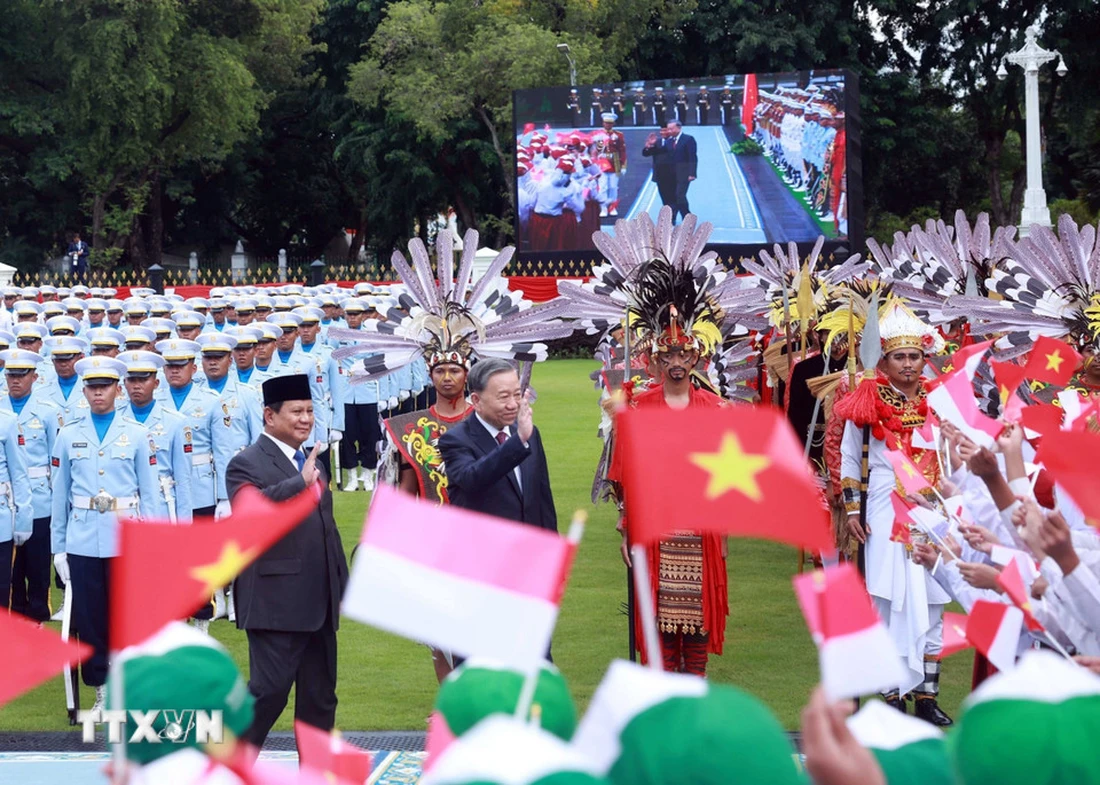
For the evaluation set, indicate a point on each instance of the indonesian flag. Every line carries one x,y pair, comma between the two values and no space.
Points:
1070,458
32,655
1012,581
330,755
1052,361
458,580
954,402
994,629
954,634
737,470
911,478
165,572
856,655
1042,418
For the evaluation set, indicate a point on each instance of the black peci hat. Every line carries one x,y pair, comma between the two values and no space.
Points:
286,388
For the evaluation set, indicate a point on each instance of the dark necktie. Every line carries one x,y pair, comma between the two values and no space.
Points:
502,437
300,459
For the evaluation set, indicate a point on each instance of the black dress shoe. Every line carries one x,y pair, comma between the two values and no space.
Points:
896,703
928,710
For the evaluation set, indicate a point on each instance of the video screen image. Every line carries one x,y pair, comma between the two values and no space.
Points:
763,157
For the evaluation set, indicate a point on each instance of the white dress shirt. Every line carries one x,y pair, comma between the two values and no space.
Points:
285,449
493,431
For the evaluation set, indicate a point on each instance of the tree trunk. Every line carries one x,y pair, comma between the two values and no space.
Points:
505,164
465,212
99,209
154,224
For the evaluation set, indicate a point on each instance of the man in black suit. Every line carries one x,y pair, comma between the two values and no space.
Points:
494,460
288,600
683,159
664,174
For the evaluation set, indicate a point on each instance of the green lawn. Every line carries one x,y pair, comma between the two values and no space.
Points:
388,683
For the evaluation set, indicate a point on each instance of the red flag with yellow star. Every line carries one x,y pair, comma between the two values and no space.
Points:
1052,361
165,572
1013,584
32,655
734,470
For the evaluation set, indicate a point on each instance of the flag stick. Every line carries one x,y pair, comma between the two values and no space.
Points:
118,703
71,688
1054,644
628,374
531,679
643,592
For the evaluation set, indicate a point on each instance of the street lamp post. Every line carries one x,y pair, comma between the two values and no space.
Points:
564,49
1030,57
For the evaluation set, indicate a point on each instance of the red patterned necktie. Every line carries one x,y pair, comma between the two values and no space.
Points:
502,437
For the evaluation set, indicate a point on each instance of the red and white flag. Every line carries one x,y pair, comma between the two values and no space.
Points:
327,753
460,581
856,655
994,629
954,402
954,634
1012,581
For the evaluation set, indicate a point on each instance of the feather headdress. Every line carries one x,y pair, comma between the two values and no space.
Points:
450,318
1049,285
929,265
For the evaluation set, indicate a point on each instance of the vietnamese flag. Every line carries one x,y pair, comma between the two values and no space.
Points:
734,470
165,571
749,100
910,477
900,531
328,754
32,655
1052,361
1012,581
1069,458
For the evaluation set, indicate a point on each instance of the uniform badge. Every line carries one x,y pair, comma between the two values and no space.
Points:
22,441
35,423
152,452
187,446
122,441
79,444
55,462
226,419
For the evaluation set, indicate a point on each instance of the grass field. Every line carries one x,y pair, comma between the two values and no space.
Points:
388,683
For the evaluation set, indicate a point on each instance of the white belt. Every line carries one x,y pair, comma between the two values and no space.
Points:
202,458
104,502
34,472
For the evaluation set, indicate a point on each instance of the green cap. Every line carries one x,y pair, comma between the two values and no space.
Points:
910,751
1036,724
478,689
180,669
648,727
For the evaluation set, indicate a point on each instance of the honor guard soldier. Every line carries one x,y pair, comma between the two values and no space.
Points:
28,426
138,338
265,355
136,312
217,321
640,116
169,431
238,405
104,468
64,389
105,341
359,419
246,311
189,324
659,107
574,107
611,158
244,353
702,106
595,108
618,103
287,324
115,313
210,444
725,101
97,312
682,105
314,358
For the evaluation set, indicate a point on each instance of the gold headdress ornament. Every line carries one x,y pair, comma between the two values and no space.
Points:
672,310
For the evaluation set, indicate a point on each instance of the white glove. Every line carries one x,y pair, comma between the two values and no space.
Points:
404,396
61,564
223,510
391,403
21,537
335,436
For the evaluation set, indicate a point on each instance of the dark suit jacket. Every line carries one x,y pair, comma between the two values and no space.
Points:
683,157
301,578
480,478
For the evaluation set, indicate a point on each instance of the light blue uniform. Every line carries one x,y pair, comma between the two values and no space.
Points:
366,392
173,440
16,504
72,407
210,443
122,465
240,411
39,423
318,365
